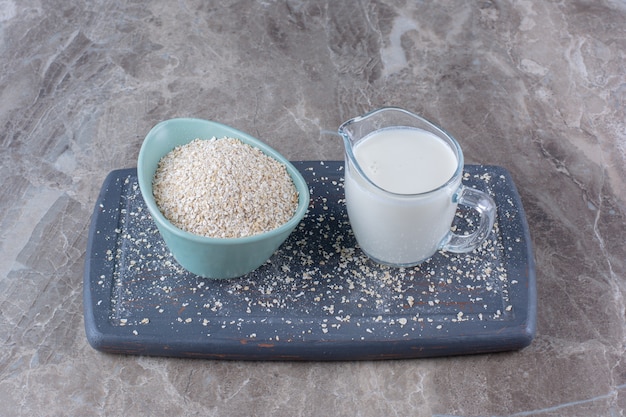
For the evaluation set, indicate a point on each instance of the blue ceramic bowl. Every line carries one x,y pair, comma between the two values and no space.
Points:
206,256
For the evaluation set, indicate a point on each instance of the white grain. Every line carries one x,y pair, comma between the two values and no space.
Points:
223,188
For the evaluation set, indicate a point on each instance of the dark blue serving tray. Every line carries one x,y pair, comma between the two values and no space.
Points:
318,297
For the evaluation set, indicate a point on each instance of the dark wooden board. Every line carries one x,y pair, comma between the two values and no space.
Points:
318,297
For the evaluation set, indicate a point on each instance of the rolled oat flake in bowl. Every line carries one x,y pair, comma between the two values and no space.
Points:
223,188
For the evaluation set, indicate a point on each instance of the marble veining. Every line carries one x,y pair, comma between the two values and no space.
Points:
538,87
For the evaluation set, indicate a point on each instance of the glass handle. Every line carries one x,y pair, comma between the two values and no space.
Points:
486,208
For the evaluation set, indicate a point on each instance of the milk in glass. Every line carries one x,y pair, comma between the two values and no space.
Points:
405,223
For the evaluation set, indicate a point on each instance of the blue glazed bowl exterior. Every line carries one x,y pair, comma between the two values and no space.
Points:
205,256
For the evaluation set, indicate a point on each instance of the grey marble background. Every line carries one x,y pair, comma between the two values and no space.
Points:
538,87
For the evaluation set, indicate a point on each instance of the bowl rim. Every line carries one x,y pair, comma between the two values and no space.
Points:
146,189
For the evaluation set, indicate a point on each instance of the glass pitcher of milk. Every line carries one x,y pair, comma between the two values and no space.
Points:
403,184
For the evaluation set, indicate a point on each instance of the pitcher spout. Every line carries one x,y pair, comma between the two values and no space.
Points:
346,131
353,131
359,127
